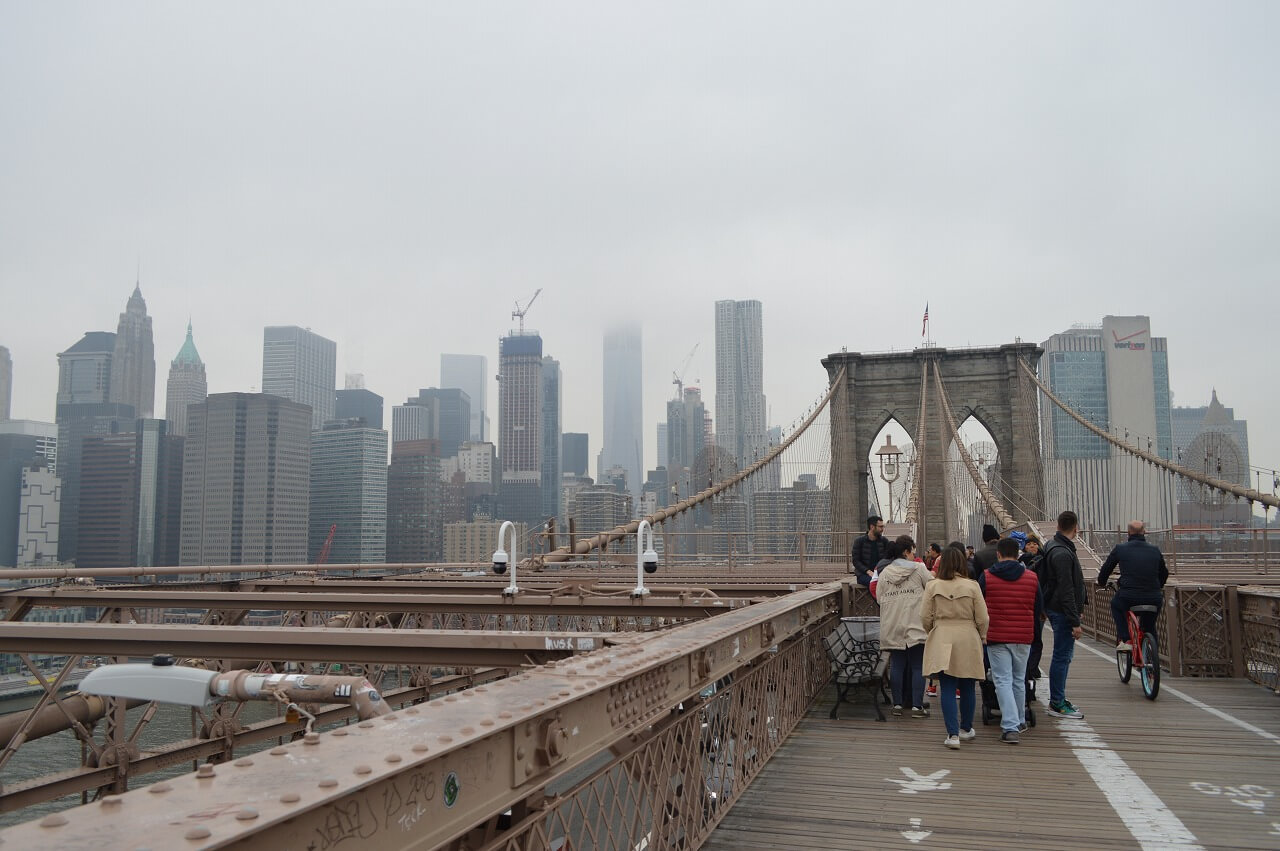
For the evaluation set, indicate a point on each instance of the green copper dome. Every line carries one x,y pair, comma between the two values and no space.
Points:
188,354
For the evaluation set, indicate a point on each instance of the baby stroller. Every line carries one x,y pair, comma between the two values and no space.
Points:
991,705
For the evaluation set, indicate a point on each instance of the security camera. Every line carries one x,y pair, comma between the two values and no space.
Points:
650,561
500,562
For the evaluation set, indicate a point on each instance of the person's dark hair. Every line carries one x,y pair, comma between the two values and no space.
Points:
1032,539
957,545
934,548
1007,548
872,521
952,564
900,545
1067,521
989,533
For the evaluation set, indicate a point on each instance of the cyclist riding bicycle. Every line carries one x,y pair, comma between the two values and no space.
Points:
1142,577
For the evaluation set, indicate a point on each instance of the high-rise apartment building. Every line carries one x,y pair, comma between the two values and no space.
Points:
38,505
740,402
84,408
349,491
131,498
187,385
520,426
623,409
133,360
246,481
686,432
474,542
300,366
415,493
6,384
448,417
1117,376
46,435
358,403
662,447
552,424
470,374
575,455
16,452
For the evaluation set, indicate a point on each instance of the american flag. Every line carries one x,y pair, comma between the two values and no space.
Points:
925,326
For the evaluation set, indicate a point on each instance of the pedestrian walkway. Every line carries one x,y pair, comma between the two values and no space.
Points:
1199,767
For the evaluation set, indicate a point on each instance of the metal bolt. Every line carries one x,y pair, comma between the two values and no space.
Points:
467,731
446,739
338,732
244,763
159,788
365,724
205,771
198,832
278,751
393,757
311,739
111,800
420,747
290,798
486,722
55,820
329,782
247,814
363,769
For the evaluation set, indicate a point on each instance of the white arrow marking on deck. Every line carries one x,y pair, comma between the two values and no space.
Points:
915,837
916,782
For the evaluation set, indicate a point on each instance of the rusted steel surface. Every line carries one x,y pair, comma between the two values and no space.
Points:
302,644
427,775
857,784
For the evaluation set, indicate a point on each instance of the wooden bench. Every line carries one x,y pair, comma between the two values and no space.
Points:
856,662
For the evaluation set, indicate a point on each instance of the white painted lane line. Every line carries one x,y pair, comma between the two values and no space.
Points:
1148,820
1181,695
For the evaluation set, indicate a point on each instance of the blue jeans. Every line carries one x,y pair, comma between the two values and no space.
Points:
947,686
1009,672
1064,648
907,692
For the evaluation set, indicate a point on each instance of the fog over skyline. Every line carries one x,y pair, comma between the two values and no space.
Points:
396,176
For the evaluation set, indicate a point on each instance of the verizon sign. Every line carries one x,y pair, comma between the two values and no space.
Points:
1130,341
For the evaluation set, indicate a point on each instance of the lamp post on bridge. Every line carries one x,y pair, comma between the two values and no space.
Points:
890,467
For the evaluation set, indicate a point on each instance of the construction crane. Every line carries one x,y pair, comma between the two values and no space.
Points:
328,542
677,376
519,312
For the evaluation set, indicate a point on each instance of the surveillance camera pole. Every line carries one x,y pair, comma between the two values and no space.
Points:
641,554
500,556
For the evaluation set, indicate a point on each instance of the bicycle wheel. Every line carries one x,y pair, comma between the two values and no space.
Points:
1124,662
1150,672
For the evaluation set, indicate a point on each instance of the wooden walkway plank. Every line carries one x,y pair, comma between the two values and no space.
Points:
832,784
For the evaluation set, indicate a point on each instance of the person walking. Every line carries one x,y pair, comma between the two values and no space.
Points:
1143,574
1012,594
900,592
1031,560
1063,600
986,557
869,550
955,616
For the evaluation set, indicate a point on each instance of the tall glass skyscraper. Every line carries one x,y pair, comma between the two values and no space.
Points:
349,490
552,424
187,385
623,405
301,366
470,373
133,361
740,402
520,426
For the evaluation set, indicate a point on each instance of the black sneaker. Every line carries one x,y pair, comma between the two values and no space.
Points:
1009,737
1022,728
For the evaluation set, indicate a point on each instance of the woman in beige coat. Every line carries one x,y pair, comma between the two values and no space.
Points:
955,616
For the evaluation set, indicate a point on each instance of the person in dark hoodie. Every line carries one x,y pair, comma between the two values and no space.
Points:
1063,600
869,550
1143,574
984,558
900,591
1014,606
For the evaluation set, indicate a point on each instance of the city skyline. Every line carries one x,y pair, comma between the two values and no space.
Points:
1041,153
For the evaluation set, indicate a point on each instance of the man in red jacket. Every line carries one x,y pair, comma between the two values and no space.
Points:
1015,606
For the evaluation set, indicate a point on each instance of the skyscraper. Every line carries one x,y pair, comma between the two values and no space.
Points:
470,374
415,520
1117,376
740,403
552,419
576,457
246,481
1211,441
520,427
623,410
84,408
133,361
186,386
6,384
349,490
358,403
301,366
448,417
38,504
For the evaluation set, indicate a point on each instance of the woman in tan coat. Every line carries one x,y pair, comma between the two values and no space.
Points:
955,616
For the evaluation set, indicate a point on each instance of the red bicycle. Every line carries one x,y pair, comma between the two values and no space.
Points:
1145,653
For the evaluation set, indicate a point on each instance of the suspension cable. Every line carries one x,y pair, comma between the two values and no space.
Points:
620,532
1248,494
993,504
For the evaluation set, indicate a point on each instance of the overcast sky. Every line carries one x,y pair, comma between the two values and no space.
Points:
396,176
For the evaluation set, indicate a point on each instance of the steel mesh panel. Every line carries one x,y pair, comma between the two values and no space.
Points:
1203,630
1260,614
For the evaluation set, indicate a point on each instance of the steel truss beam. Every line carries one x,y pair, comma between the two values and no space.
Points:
423,776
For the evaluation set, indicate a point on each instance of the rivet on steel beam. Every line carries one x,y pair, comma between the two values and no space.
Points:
365,724
363,769
391,717
451,699
159,788
393,758
205,770
420,747
54,820
565,693
330,782
481,690
520,753
111,800
435,704
247,814
467,731
446,739
412,711
504,715
278,751
198,832
528,770
290,798
311,739
338,732
486,722
243,763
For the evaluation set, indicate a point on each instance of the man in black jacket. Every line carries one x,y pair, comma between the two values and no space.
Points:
869,550
1063,600
986,558
1142,577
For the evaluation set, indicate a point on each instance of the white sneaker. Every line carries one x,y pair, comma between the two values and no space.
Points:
1124,647
968,735
952,742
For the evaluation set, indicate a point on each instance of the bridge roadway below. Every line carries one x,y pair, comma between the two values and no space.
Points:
1199,767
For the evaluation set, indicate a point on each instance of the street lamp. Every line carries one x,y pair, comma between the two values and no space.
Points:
890,467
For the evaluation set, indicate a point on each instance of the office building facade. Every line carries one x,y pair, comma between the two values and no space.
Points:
470,374
246,481
446,417
6,384
301,366
475,542
187,385
520,427
623,395
575,453
740,400
39,501
552,424
415,495
358,403
133,359
1211,441
349,492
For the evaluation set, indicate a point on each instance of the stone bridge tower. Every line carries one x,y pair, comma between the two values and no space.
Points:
984,383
